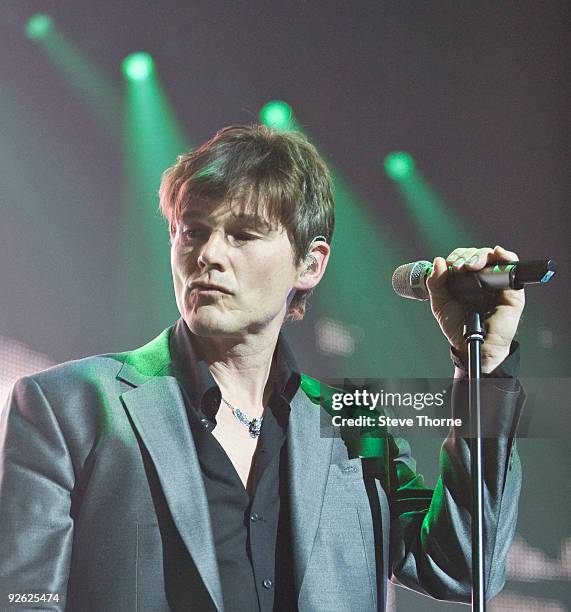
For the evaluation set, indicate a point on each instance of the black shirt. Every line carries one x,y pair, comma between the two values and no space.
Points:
251,532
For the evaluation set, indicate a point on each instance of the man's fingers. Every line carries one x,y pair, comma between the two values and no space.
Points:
473,258
456,253
504,255
437,279
487,256
459,256
479,259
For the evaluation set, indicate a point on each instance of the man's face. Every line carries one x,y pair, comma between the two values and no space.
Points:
232,273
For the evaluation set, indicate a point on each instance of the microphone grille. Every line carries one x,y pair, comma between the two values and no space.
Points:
408,280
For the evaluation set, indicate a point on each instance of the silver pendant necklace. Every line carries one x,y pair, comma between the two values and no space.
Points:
254,425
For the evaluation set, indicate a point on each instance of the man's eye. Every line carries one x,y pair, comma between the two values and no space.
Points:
192,232
243,236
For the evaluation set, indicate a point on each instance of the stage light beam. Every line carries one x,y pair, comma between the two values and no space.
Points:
399,165
277,114
39,26
153,138
138,66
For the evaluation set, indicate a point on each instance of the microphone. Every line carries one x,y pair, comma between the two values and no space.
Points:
409,280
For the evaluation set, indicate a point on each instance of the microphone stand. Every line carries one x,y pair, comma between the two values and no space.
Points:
474,334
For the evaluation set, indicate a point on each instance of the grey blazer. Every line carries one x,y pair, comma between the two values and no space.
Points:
102,500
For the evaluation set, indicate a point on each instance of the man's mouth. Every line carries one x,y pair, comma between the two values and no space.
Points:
208,288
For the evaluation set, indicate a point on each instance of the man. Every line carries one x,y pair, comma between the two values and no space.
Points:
191,474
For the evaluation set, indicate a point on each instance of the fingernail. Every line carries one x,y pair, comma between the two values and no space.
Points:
458,262
473,259
452,258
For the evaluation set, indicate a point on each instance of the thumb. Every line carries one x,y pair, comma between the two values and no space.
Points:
437,279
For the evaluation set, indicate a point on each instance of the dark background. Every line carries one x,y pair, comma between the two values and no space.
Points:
478,93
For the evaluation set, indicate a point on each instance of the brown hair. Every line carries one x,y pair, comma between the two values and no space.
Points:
278,175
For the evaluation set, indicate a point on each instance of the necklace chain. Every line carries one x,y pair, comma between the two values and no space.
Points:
254,425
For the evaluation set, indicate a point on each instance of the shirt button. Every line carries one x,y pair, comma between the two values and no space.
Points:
205,423
255,517
268,584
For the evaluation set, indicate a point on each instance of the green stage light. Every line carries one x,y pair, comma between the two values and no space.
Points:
276,114
39,26
399,165
138,66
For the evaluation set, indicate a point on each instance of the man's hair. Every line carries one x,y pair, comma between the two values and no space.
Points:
279,176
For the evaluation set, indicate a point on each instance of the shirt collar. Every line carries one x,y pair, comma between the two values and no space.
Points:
193,373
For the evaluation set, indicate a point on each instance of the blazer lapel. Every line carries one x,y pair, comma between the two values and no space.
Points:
309,456
156,407
157,410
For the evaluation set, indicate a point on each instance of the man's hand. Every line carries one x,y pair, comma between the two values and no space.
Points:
504,312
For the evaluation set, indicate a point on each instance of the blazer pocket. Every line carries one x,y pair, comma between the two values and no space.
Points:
340,539
339,565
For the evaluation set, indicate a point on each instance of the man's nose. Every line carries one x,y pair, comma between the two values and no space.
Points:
213,251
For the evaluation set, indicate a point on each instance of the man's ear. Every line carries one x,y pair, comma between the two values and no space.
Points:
312,268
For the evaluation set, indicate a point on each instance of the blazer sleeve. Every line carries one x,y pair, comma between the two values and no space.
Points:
36,483
430,542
